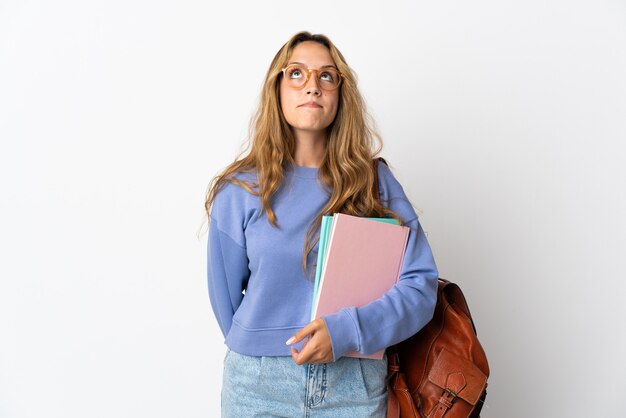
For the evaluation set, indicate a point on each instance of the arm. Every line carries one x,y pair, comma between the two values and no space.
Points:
400,312
227,271
227,258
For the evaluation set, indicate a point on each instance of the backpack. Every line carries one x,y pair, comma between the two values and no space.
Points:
442,370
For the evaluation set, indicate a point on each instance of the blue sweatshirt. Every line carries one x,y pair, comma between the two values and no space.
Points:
261,296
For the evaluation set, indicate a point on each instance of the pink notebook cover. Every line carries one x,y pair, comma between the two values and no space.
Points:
363,261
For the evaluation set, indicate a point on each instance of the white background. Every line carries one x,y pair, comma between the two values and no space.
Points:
505,122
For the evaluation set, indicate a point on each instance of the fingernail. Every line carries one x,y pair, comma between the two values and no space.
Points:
290,341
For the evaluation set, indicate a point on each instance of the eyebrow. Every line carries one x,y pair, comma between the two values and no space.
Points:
323,66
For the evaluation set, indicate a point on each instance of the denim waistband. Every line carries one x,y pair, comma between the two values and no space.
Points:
277,386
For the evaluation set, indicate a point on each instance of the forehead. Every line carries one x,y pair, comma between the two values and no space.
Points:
312,54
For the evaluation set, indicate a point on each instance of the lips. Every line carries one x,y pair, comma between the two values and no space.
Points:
310,104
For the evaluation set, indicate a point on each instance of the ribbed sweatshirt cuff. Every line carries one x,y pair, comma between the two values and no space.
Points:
342,329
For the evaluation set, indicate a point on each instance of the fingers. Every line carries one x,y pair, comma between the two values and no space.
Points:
306,355
304,332
318,349
296,356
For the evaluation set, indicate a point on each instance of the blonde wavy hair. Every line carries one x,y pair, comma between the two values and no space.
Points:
346,168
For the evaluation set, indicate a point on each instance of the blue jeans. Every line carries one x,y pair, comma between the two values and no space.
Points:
278,387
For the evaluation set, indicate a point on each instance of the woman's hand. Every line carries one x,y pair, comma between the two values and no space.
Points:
317,349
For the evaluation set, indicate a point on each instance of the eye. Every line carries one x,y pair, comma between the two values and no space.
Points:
294,73
327,76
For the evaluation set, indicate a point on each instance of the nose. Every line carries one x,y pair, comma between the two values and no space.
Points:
312,85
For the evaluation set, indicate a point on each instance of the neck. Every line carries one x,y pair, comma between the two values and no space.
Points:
310,149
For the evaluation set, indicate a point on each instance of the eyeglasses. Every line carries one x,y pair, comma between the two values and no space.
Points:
297,76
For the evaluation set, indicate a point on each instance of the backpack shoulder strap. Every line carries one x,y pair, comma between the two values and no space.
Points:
455,296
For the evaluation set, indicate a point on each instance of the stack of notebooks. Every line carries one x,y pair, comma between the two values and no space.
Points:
359,259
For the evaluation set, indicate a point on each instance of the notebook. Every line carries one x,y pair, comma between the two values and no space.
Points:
362,260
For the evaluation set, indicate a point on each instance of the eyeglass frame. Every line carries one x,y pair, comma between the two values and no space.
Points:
317,73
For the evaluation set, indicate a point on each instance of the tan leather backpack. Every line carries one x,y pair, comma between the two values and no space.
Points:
442,370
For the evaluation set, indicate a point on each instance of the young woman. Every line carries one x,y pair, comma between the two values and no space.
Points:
311,155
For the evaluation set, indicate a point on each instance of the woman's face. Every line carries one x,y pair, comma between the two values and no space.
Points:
295,103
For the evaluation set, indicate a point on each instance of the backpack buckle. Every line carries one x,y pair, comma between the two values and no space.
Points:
451,393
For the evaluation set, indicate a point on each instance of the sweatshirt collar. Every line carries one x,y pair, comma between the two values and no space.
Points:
303,172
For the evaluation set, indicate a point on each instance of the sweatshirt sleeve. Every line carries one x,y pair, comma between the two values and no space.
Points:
227,259
407,306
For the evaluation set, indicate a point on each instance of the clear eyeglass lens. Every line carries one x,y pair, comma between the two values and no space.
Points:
328,78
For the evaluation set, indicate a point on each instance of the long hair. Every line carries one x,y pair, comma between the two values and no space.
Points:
346,168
